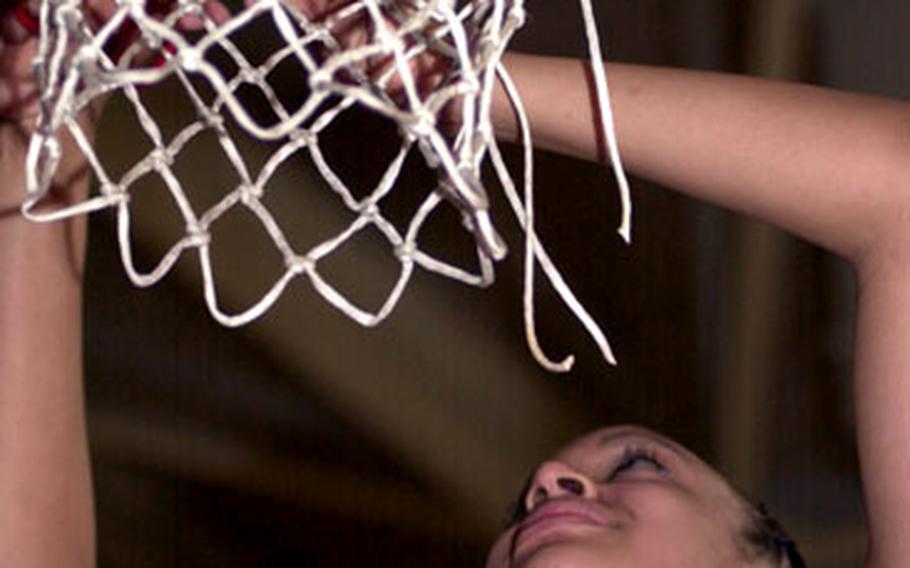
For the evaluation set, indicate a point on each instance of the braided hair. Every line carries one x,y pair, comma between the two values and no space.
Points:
766,538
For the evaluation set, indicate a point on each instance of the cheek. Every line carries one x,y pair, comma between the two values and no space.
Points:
661,503
690,533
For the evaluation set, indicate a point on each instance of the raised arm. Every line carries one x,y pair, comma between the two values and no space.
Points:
831,167
46,517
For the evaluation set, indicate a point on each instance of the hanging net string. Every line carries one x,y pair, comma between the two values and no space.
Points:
362,53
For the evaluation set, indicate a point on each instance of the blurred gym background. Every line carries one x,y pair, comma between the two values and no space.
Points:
303,439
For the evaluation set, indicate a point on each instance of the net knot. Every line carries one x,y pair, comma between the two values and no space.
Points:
470,83
114,192
189,59
320,80
422,123
406,250
197,237
161,159
190,8
249,193
214,121
304,137
486,48
86,57
252,75
297,265
137,7
388,39
86,60
517,15
370,212
70,15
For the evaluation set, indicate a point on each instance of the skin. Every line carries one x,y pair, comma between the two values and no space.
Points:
830,167
598,503
45,486
47,517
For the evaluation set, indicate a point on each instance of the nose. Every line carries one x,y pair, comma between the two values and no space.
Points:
556,479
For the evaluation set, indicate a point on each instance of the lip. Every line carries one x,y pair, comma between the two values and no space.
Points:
550,520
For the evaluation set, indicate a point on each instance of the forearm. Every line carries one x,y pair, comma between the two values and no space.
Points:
828,166
882,392
45,487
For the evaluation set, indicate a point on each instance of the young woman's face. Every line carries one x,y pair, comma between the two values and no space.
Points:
626,497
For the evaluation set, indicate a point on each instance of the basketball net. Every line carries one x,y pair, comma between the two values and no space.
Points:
78,63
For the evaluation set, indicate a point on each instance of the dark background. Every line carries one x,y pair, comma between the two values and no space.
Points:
304,439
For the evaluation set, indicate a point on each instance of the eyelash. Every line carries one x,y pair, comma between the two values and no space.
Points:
632,456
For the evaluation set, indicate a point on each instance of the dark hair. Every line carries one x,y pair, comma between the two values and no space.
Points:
766,538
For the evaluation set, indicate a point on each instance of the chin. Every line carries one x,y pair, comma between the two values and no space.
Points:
563,555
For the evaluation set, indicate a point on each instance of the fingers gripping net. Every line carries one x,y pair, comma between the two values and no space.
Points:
368,53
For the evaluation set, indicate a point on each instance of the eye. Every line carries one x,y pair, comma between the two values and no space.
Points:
637,461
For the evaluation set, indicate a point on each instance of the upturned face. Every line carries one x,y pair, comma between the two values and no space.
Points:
627,497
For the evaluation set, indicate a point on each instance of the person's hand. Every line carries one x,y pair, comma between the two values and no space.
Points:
18,96
19,100
353,29
18,44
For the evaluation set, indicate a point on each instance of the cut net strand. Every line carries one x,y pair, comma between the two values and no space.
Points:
377,69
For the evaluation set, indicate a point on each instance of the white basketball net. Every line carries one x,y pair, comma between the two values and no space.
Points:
74,69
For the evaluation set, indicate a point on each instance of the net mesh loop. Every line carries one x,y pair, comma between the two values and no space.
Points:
363,53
